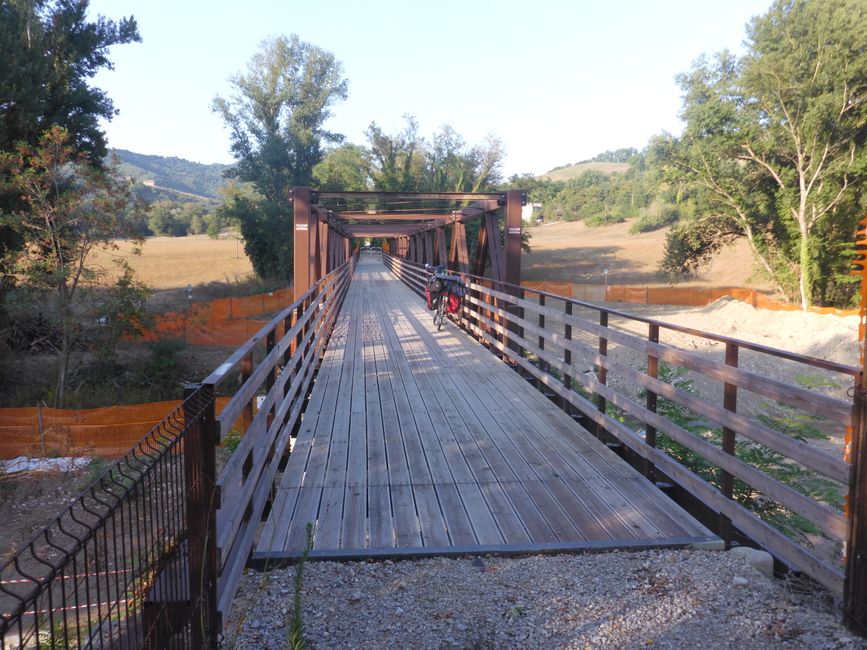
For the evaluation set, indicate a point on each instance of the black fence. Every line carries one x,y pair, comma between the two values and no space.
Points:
127,565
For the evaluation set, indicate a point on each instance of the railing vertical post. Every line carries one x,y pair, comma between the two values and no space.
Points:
855,584
542,365
201,478
270,342
601,371
650,399
567,353
246,372
730,403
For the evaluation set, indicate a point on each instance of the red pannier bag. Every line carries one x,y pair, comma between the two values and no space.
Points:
454,305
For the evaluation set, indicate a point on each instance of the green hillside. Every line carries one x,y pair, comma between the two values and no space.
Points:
569,172
176,175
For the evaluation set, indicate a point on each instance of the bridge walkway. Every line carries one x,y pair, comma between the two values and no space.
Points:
419,442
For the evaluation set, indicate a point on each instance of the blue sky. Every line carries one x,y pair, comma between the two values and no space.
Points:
557,81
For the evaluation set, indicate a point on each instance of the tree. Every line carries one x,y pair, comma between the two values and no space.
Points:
451,166
70,209
397,160
776,142
345,169
48,53
276,120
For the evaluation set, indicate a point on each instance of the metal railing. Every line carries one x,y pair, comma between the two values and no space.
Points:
277,367
757,456
109,571
151,554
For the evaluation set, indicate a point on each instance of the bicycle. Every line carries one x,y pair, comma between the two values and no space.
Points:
440,289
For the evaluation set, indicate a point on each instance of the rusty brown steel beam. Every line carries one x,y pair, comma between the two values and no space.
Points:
389,216
477,210
301,265
416,196
371,231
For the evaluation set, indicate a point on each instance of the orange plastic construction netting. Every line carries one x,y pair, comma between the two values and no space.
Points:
701,296
108,431
563,289
226,321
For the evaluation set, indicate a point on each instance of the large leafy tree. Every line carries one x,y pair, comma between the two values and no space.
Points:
775,141
276,119
452,165
397,160
345,168
49,52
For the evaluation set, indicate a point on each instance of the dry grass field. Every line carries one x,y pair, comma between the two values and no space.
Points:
572,252
175,262
568,173
565,251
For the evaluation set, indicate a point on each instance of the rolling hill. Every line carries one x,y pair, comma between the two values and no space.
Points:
569,172
171,175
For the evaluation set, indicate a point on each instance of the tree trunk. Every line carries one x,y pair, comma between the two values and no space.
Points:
805,273
60,390
65,349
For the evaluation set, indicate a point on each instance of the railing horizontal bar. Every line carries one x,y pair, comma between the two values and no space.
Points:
797,450
793,554
232,410
820,514
833,409
746,345
218,375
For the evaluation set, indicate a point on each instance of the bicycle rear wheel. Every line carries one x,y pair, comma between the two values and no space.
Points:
440,314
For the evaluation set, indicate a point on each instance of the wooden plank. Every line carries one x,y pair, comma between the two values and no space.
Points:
463,441
576,508
540,467
379,516
354,530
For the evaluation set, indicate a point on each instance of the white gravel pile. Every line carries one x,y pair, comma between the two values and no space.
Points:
652,599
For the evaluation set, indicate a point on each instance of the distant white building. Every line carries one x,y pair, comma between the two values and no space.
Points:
530,211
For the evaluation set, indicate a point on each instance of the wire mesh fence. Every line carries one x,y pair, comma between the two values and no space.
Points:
126,565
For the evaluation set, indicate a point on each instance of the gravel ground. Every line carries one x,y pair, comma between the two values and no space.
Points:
658,599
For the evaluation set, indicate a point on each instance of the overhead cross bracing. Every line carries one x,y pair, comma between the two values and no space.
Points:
422,227
396,214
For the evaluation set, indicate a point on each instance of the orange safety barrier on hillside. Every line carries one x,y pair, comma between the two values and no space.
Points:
225,321
563,289
108,431
701,296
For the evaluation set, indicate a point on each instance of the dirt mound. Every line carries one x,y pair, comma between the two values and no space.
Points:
825,336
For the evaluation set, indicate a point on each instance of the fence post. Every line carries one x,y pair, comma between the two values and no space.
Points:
543,366
855,584
602,372
40,424
201,476
730,403
650,398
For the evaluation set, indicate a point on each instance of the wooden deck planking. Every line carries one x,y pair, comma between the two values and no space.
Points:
418,441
